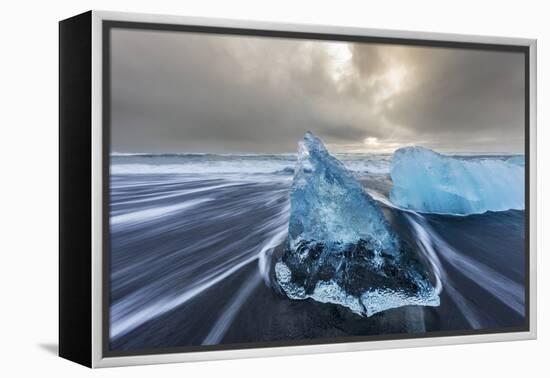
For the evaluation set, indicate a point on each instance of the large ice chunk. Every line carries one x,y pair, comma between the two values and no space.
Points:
340,248
426,181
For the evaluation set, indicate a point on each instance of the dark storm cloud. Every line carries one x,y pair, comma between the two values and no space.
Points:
471,97
181,92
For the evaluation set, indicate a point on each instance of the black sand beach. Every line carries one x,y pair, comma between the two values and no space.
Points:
192,259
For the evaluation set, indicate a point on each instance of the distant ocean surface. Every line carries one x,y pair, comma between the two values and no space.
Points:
247,165
194,237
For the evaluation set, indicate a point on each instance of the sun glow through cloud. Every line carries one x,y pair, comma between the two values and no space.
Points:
395,77
371,141
392,82
341,56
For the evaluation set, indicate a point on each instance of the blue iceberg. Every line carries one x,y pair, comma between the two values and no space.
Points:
517,160
340,248
426,181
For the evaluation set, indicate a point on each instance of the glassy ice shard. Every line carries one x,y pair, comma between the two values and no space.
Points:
340,248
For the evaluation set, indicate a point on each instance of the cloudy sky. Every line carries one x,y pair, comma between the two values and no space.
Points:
185,92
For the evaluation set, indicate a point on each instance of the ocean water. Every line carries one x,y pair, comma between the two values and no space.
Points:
194,238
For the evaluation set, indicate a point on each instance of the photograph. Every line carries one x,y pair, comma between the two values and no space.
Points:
272,190
275,189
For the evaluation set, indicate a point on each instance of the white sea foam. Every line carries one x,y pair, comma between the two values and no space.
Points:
227,255
280,165
155,212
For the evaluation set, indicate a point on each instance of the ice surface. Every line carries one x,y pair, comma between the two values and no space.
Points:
518,160
426,181
340,248
329,204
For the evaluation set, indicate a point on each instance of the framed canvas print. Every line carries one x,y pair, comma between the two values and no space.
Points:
235,189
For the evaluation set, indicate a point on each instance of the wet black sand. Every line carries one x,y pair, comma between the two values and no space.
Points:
223,314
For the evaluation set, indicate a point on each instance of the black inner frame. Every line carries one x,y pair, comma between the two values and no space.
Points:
109,25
